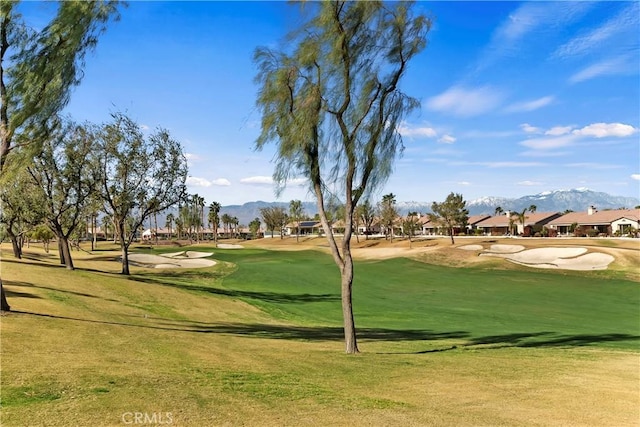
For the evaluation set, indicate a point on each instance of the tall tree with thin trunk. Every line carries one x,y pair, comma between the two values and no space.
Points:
139,176
296,213
214,220
37,72
388,214
451,213
332,104
367,213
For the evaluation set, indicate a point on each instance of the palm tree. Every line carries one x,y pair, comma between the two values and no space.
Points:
499,211
214,219
226,220
522,215
169,223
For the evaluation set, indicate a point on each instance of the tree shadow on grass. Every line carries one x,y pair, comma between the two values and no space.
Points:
31,285
272,297
537,339
259,330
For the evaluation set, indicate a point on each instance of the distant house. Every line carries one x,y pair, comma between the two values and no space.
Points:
473,221
306,227
509,222
609,222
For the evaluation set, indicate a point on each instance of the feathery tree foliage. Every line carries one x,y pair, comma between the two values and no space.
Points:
38,70
332,105
66,176
388,214
296,213
139,176
450,214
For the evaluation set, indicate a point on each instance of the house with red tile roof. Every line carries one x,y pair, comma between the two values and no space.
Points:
510,223
607,222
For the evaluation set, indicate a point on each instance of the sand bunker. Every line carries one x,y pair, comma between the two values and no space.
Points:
471,247
561,258
187,259
506,249
229,246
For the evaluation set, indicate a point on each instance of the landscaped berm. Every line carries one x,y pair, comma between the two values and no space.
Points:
251,335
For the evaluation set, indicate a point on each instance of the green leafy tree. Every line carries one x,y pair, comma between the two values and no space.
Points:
21,209
169,221
214,219
254,227
388,214
226,222
67,177
332,104
139,176
37,72
275,218
367,214
43,234
450,214
410,225
522,216
296,213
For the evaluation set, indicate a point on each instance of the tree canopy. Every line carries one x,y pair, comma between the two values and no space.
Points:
451,213
332,104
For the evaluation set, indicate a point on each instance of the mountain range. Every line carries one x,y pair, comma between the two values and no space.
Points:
549,201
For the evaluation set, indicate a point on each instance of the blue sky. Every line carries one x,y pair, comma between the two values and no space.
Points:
516,98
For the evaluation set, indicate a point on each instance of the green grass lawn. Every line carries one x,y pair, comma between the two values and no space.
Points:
405,300
257,340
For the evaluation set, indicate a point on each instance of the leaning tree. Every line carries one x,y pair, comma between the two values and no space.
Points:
332,104
38,70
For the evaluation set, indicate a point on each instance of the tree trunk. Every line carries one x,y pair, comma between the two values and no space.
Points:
64,247
125,259
350,342
4,305
15,245
451,233
61,253
298,233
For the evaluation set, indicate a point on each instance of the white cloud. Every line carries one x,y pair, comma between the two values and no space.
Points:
549,143
635,176
626,20
619,65
222,182
194,181
602,130
529,183
559,130
466,102
499,164
426,132
144,128
257,180
528,128
447,139
529,105
463,183
591,165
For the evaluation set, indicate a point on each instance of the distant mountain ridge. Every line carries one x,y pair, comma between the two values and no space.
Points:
577,200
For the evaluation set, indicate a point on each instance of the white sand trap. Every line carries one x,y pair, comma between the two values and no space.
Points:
229,246
506,249
545,255
590,261
558,258
156,261
471,247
